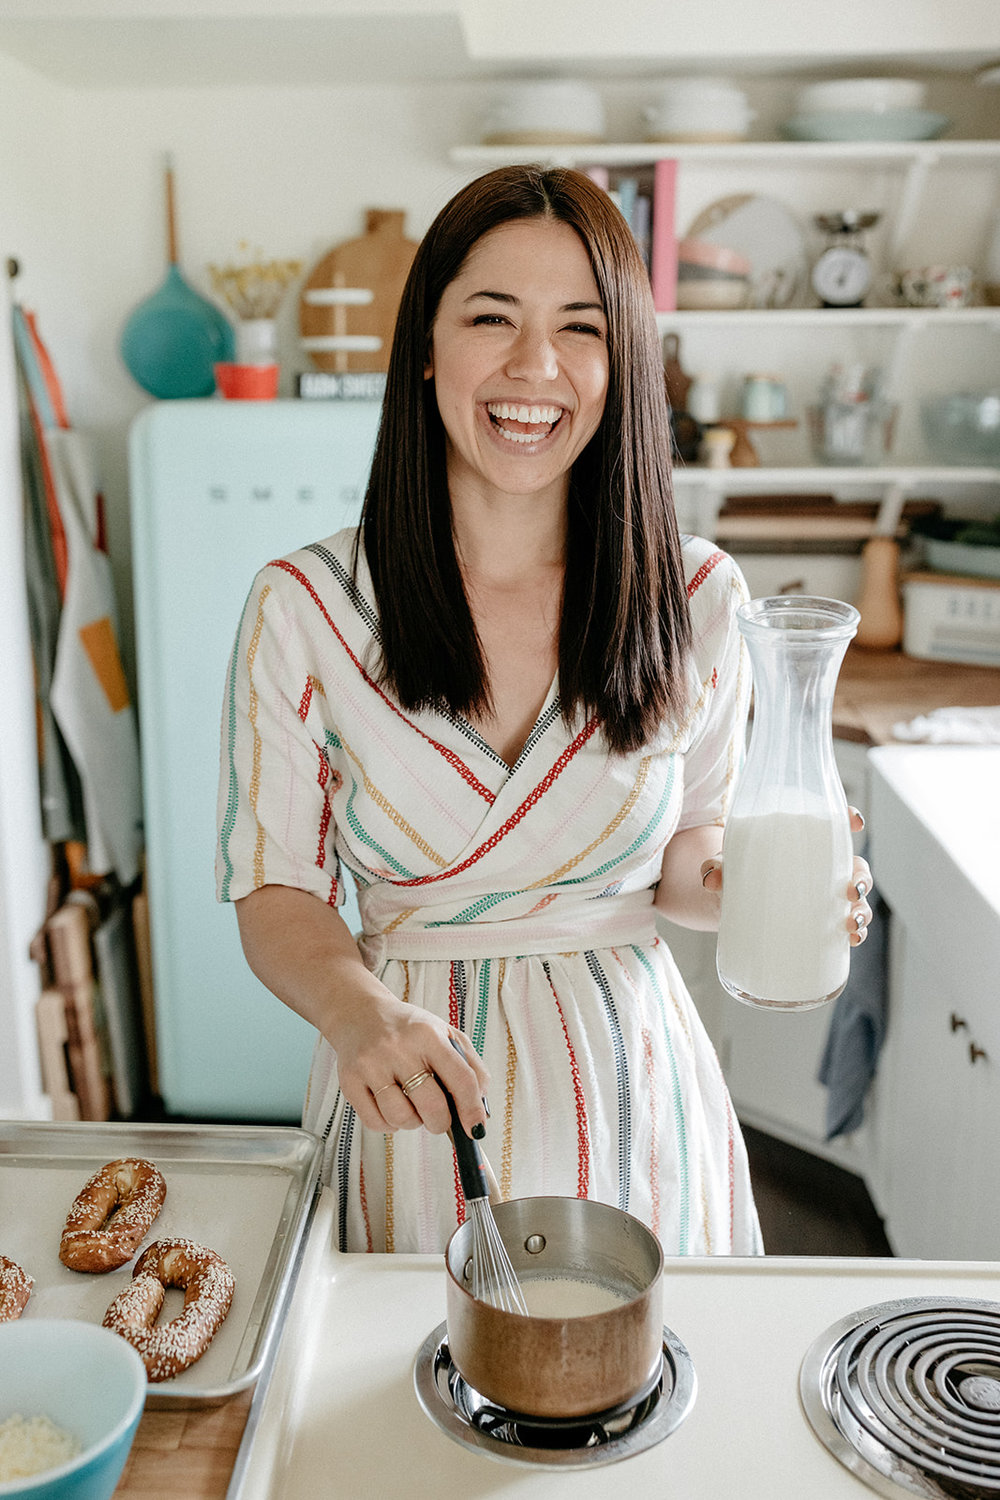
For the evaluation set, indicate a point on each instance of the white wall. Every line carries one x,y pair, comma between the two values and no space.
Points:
289,171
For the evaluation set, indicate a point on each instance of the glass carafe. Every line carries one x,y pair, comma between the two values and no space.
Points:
787,848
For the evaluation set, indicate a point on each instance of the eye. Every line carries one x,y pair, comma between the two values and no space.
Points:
488,319
586,328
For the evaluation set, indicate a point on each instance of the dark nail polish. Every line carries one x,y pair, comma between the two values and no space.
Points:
478,1132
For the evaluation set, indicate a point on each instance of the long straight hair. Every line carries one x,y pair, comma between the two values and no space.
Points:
625,629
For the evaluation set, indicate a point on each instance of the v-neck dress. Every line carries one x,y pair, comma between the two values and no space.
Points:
513,902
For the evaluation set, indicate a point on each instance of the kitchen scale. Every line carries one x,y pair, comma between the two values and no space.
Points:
843,274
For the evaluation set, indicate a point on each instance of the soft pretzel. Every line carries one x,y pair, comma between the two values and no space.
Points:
208,1286
15,1289
111,1214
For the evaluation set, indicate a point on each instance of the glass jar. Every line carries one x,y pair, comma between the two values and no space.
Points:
787,847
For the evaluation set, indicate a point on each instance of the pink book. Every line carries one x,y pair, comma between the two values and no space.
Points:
663,269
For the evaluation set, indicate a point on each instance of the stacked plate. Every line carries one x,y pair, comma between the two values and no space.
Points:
863,109
711,277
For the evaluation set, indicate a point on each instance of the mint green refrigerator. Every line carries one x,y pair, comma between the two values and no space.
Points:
217,489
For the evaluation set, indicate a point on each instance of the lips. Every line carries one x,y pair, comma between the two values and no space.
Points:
523,423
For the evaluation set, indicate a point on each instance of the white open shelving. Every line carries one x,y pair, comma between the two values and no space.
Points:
700,490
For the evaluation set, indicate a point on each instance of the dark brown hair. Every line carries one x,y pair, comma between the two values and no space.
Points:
625,627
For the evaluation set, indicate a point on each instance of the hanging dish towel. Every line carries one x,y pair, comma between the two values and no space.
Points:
952,726
90,697
857,1028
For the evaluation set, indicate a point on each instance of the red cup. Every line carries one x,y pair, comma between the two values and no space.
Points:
247,382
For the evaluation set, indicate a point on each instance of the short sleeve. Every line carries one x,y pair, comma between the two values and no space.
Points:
275,823
715,755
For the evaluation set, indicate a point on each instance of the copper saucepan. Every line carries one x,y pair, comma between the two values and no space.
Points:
564,1366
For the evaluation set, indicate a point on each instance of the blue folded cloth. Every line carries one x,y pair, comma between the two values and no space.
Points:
857,1029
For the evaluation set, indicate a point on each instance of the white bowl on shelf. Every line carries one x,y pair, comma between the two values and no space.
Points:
697,109
865,94
545,112
866,125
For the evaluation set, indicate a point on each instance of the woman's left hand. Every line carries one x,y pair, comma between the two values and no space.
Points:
859,889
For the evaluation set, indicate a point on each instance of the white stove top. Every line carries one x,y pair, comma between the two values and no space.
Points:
341,1418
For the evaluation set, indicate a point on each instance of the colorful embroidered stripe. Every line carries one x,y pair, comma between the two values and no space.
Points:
515,818
453,760
621,1079
344,1141
680,1125
707,567
582,1123
654,1144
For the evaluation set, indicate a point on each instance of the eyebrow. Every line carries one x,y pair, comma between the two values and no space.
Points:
511,301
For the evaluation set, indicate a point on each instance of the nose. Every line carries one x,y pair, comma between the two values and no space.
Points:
532,357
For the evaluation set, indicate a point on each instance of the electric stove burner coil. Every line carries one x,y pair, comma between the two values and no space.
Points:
573,1442
907,1395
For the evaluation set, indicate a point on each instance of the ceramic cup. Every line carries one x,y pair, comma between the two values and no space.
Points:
936,286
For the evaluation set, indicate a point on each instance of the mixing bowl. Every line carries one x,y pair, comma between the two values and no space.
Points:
90,1384
963,428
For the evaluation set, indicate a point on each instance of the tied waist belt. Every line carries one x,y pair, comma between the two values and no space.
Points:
601,923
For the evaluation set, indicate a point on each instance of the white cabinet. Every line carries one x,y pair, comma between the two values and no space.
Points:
941,1069
936,833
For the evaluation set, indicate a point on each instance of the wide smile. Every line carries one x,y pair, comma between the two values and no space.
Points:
526,425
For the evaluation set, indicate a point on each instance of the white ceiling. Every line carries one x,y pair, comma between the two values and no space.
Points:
123,44
313,50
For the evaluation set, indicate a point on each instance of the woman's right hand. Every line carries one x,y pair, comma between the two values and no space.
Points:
304,952
382,1044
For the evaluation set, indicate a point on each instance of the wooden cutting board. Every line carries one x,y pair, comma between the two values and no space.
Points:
371,272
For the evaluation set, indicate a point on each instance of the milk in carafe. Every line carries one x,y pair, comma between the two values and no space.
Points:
787,848
786,944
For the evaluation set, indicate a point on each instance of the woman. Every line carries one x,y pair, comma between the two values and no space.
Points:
512,704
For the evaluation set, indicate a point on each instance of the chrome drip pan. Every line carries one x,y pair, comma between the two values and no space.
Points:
570,1443
906,1394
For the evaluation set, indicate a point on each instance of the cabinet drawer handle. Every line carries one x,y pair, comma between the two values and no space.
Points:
957,1024
975,1053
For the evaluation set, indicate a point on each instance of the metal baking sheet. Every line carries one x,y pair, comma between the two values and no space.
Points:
245,1191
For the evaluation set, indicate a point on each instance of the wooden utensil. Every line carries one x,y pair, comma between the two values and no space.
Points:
677,380
173,340
878,601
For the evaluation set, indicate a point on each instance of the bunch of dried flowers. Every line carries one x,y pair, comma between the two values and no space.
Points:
255,287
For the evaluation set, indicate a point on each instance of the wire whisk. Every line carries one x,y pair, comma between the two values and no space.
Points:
493,1280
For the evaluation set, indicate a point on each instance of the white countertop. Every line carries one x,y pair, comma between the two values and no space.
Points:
954,792
341,1417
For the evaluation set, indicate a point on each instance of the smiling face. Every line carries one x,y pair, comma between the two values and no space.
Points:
519,359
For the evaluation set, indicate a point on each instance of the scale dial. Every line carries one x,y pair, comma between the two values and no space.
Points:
842,276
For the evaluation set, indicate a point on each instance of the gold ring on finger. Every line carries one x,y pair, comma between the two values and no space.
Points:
414,1082
382,1090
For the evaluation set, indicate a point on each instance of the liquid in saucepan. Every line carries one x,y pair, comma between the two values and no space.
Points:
569,1297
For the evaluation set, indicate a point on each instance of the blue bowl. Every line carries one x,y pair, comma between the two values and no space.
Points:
90,1383
963,428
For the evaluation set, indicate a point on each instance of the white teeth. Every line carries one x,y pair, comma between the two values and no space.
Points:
504,411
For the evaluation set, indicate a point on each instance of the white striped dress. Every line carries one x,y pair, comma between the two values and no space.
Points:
515,903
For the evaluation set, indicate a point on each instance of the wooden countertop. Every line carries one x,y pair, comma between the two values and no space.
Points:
877,689
185,1455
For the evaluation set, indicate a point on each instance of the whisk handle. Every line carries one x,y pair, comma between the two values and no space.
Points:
471,1171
